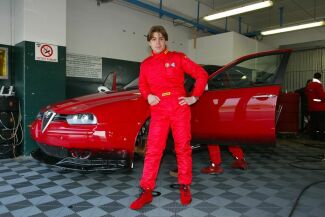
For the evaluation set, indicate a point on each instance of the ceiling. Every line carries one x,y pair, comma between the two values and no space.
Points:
250,24
294,11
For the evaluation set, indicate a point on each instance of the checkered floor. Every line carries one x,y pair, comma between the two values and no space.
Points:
268,188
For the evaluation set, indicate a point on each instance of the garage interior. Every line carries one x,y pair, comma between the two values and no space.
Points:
92,40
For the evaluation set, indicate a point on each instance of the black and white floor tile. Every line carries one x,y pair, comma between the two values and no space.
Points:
269,188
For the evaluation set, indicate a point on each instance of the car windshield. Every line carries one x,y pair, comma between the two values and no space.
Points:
134,84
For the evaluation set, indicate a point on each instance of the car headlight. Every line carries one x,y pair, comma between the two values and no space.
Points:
82,119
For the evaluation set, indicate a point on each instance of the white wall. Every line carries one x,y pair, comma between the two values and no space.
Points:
222,48
214,49
115,31
33,20
18,22
5,22
45,21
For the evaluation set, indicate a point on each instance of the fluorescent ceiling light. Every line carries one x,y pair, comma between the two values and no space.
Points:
293,28
239,10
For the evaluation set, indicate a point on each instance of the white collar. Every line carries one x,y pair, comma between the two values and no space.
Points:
316,80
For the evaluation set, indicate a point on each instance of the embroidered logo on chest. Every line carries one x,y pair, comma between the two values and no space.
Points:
167,65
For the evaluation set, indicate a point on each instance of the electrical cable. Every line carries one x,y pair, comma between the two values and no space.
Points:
14,135
300,194
321,146
308,159
7,128
13,130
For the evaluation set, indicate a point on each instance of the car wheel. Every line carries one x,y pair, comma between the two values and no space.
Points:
141,143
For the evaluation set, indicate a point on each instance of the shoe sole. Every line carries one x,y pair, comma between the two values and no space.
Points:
137,208
185,204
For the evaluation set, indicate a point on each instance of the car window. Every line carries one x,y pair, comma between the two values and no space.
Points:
256,71
189,81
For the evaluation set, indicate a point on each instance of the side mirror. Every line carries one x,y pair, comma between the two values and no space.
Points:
103,89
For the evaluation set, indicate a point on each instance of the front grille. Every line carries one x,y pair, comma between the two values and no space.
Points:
57,117
46,119
99,161
93,165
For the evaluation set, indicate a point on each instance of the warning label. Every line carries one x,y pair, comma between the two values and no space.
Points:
46,52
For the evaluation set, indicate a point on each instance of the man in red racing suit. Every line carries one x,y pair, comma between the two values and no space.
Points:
316,106
161,82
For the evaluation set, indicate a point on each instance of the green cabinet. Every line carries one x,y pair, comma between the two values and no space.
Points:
37,83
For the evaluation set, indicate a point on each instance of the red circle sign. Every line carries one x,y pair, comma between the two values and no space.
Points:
46,50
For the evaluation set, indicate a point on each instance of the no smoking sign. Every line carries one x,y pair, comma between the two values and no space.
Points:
46,52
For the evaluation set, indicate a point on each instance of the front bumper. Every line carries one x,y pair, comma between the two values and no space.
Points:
97,161
86,137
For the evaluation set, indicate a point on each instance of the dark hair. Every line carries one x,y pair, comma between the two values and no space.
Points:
317,75
159,29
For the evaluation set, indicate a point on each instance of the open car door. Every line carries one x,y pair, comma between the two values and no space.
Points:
239,105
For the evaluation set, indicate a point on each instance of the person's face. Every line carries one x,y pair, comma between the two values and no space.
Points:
157,42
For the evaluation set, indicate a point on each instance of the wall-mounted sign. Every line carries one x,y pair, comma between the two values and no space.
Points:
4,63
86,66
46,52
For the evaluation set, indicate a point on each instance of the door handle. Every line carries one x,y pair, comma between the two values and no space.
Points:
264,96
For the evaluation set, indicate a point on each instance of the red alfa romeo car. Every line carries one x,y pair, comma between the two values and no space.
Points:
105,130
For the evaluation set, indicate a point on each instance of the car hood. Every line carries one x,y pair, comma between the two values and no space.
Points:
88,102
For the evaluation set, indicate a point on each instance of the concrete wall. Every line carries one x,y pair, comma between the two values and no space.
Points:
223,48
115,31
33,20
5,22
44,21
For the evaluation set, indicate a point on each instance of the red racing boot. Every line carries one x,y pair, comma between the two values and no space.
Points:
144,198
186,197
239,164
212,169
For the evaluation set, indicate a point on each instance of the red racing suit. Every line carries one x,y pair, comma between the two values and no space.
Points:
316,107
163,75
215,155
315,96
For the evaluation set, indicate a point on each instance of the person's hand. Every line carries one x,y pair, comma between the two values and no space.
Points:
152,99
187,100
